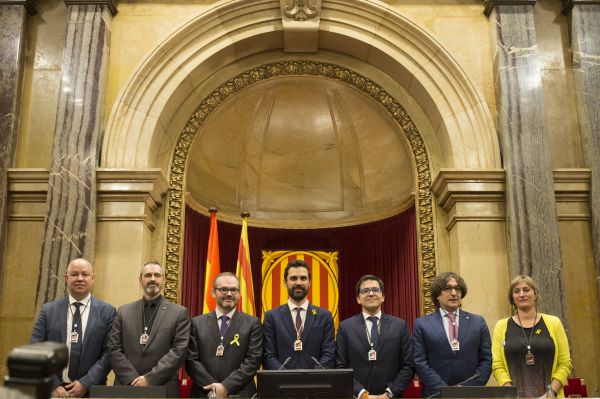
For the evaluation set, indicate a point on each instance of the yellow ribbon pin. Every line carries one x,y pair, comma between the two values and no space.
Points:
538,331
235,340
314,312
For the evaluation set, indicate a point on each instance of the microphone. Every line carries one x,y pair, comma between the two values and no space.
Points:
460,384
471,378
284,363
319,365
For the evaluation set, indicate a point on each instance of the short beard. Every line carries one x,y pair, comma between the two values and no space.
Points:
297,297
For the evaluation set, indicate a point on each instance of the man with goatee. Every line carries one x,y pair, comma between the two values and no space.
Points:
149,338
298,335
226,345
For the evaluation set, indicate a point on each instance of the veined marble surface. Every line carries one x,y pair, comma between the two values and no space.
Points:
531,220
71,218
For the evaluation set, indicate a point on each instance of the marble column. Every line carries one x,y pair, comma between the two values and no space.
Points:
70,227
584,23
13,35
533,241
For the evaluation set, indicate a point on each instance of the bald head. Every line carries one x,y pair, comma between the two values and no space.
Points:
79,278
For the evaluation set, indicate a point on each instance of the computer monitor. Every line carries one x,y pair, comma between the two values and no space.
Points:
127,391
303,383
478,392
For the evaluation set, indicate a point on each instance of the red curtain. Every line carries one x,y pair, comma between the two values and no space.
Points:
386,248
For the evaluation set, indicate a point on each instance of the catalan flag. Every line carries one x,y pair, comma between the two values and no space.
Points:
212,263
244,272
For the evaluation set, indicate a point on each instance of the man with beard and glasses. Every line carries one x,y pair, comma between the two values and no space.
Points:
225,346
149,338
298,335
82,322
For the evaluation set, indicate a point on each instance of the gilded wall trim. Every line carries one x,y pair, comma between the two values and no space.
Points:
424,200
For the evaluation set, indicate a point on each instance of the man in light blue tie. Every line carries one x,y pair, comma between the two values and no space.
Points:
376,345
451,346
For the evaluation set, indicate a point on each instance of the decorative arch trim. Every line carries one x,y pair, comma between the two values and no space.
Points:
366,30
179,161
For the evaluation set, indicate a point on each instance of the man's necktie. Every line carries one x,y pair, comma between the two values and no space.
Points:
224,326
374,330
75,354
299,321
452,327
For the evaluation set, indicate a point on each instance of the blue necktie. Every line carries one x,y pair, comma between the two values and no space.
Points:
75,354
374,330
224,326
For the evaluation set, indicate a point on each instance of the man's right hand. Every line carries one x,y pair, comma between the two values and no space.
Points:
60,392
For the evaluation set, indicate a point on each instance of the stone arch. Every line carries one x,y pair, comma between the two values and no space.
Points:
141,121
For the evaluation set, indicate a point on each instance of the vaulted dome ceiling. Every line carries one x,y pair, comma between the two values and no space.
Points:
301,151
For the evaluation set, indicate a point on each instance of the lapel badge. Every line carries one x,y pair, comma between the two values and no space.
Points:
314,312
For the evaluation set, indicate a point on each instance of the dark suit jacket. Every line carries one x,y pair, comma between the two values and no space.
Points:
437,365
51,325
317,339
158,360
238,364
393,368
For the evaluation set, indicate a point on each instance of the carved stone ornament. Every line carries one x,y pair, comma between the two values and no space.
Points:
300,20
301,10
424,199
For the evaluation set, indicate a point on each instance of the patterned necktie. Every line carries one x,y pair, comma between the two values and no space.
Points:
452,327
299,321
374,330
224,326
75,354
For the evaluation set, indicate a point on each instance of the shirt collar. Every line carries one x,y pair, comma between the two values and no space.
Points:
84,301
378,315
444,312
154,301
219,313
293,306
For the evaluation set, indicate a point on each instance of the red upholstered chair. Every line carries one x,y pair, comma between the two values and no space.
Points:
576,388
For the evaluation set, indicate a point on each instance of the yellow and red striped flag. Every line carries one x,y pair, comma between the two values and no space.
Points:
212,263
244,272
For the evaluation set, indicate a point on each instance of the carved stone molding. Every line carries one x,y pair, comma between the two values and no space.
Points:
29,5
569,4
111,4
490,4
424,201
483,189
147,187
300,19
572,191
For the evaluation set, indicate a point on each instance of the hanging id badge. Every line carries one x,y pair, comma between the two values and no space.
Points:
529,359
73,337
220,350
372,355
455,345
298,345
144,339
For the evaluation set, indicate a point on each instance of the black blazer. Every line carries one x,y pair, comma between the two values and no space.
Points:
240,360
393,368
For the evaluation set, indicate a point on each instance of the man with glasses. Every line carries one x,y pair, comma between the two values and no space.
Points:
298,335
226,345
451,346
376,345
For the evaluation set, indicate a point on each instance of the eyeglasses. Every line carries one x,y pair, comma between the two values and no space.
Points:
449,288
367,291
224,290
